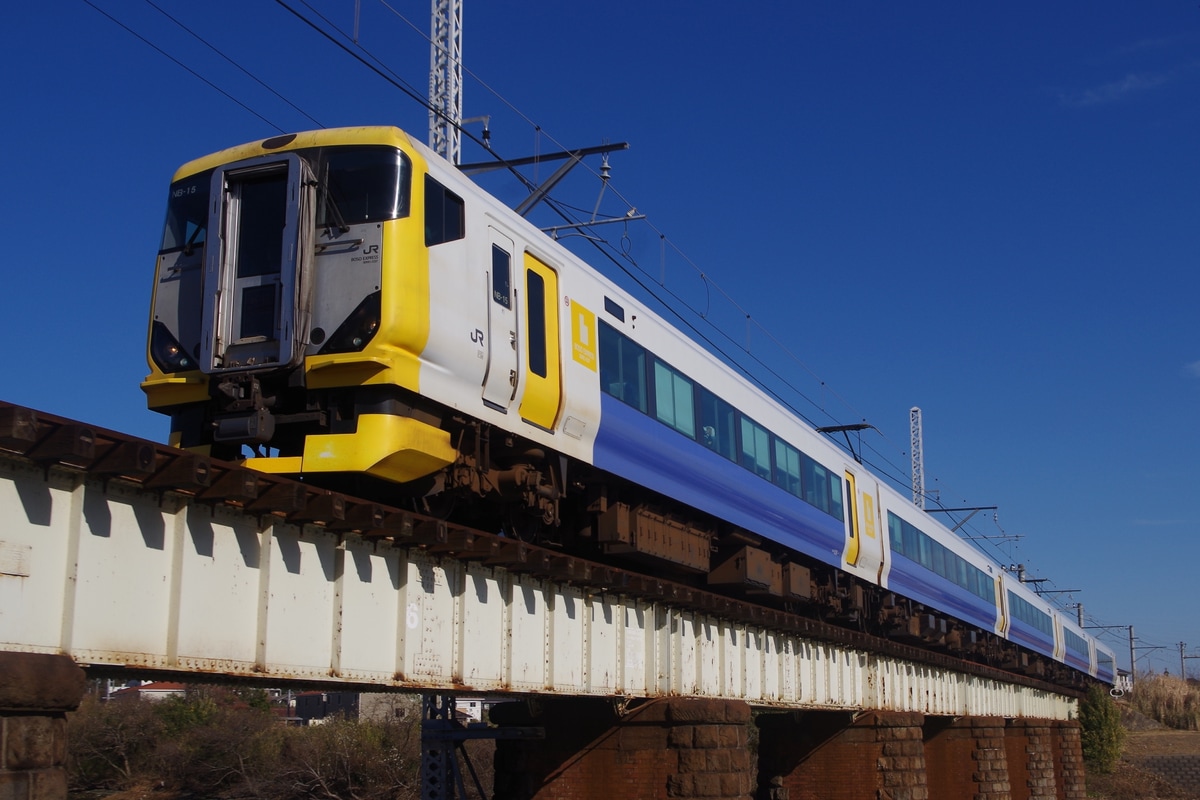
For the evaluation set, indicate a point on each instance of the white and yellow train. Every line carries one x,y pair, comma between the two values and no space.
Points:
347,306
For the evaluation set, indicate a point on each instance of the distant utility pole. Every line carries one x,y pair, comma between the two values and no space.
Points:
445,79
918,457
1182,672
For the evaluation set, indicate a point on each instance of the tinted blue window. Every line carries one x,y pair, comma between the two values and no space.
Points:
787,467
910,542
820,487
674,403
718,431
756,448
675,400
622,368
1023,610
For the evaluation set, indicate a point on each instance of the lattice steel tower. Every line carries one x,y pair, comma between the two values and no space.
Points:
918,457
445,79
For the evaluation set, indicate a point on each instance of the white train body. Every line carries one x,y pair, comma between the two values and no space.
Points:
385,344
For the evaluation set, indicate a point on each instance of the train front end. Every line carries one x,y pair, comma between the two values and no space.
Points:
291,307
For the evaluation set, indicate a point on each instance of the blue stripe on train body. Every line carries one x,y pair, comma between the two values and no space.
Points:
646,452
916,582
1023,633
1073,659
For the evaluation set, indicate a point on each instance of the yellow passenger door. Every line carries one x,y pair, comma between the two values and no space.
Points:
542,397
852,529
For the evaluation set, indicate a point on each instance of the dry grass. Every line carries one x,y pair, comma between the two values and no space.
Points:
1172,701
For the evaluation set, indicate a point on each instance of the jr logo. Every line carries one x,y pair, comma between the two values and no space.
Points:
369,250
477,337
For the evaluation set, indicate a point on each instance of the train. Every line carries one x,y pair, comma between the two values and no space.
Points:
345,305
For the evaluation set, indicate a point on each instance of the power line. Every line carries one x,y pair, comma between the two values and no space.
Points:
244,71
180,64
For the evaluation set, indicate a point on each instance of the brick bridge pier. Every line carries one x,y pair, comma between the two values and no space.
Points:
36,692
668,748
696,748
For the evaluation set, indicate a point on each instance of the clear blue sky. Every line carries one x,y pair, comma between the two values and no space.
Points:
989,211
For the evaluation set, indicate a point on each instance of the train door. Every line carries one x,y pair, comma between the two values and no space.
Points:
1003,621
853,543
864,545
873,553
254,275
542,395
500,376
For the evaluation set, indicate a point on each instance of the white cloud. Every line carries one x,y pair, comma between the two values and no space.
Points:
1116,91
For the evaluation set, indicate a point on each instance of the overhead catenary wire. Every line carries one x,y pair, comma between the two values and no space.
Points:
234,63
181,65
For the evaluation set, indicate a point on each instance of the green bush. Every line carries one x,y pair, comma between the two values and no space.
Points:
1101,731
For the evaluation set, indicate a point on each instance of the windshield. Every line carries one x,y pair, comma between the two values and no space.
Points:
358,184
187,213
362,184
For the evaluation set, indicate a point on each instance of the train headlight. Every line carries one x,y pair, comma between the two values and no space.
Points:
167,353
358,328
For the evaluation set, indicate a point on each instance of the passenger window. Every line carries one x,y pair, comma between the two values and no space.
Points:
912,543
939,561
925,554
622,368
835,497
787,467
673,400
444,216
815,484
895,533
717,429
756,449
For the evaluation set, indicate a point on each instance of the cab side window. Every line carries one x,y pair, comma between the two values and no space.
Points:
444,216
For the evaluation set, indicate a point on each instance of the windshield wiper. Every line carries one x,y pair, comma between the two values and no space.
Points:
191,242
331,206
